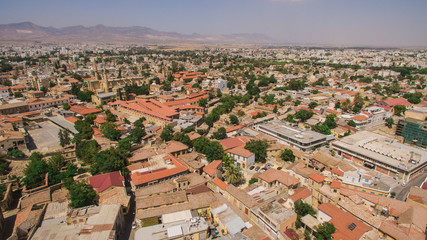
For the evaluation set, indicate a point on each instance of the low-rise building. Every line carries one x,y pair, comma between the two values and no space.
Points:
243,157
301,139
383,154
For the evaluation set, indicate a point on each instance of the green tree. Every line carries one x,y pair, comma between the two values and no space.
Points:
56,161
259,148
203,102
234,119
312,105
212,149
351,123
15,153
17,95
304,115
110,116
109,160
287,155
64,138
86,151
35,171
66,106
322,128
345,105
85,96
253,180
90,118
81,194
290,118
227,161
84,129
302,208
389,122
324,231
399,110
167,133
108,129
218,93
330,121
233,174
220,134
337,104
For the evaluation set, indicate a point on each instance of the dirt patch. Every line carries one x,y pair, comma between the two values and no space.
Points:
17,167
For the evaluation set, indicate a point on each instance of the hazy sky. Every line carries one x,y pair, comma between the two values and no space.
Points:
344,22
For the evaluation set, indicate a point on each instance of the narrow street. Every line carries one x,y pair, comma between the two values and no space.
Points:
402,191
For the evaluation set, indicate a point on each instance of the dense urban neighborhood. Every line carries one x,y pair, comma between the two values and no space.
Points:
109,141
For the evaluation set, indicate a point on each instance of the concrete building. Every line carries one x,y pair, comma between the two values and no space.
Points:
383,154
93,222
243,158
301,139
179,225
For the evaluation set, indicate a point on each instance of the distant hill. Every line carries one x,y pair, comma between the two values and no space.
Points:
28,31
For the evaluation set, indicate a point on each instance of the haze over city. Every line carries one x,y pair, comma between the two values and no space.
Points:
331,22
213,120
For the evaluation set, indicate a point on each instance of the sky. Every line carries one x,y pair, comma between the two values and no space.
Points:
330,22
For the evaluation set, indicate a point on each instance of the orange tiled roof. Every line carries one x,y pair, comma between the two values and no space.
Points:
240,151
301,193
342,220
234,128
316,177
335,184
220,183
141,178
212,167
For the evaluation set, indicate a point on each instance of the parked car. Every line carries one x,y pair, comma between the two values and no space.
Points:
252,167
257,168
262,170
133,224
279,168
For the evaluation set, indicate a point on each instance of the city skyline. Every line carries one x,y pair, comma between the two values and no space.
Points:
325,22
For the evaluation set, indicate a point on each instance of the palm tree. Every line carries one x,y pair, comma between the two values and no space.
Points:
233,174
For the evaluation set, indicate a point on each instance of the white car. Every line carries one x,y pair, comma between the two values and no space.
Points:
133,225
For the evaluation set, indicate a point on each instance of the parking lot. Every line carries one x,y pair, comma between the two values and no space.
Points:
45,138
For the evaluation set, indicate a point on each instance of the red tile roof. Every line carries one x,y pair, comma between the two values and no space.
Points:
240,151
141,178
360,117
104,181
220,183
82,110
301,193
396,101
337,172
229,143
234,128
335,184
342,220
316,177
212,167
72,119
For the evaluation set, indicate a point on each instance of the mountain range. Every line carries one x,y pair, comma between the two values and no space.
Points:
28,31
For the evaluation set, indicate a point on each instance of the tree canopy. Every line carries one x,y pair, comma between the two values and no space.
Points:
259,147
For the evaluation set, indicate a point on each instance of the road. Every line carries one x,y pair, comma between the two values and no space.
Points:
129,218
402,192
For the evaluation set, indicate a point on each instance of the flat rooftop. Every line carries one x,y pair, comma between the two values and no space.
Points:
172,230
305,136
384,149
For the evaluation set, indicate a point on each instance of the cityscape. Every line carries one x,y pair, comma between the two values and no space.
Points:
238,125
